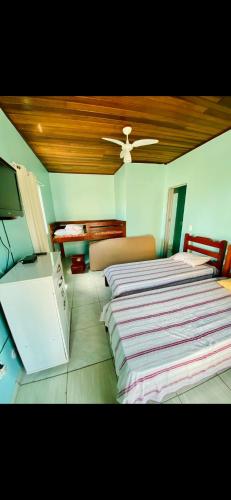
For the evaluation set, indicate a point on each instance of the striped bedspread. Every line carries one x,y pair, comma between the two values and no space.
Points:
134,277
163,340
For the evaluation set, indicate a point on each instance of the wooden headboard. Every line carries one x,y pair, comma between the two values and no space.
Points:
227,264
217,256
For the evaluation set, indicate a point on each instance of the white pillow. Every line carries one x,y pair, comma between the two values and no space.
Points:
179,256
195,260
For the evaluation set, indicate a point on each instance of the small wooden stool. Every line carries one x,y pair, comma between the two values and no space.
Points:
78,264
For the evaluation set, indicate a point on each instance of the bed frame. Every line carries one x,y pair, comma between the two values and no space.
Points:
227,264
217,256
93,230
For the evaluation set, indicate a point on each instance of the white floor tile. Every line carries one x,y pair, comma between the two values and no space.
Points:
84,297
214,391
104,294
85,316
84,287
191,386
93,385
103,302
51,372
88,346
49,391
173,401
226,377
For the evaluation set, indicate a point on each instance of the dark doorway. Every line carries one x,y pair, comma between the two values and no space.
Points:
181,191
174,223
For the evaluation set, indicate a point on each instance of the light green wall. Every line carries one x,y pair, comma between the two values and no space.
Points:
144,189
207,173
82,197
120,193
14,148
139,192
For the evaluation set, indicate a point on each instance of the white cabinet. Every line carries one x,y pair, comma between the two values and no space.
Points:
34,300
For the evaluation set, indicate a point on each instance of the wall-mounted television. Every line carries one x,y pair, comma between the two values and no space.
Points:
10,201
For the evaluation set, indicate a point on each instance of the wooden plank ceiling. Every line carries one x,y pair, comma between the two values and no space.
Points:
65,131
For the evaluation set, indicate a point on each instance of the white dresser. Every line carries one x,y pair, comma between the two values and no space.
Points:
34,300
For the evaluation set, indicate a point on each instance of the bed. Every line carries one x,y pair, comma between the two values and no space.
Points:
163,340
135,277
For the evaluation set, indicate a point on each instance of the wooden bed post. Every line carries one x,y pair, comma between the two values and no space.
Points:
227,265
124,228
186,240
222,254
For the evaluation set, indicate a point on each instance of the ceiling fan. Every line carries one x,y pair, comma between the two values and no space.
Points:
127,146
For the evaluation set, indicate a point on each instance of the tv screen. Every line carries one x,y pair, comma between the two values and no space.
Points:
10,202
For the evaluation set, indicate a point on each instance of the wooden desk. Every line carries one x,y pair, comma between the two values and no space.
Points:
93,230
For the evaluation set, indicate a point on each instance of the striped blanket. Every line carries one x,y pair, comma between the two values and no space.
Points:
134,277
163,340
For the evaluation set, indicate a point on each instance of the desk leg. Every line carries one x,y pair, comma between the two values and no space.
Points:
62,249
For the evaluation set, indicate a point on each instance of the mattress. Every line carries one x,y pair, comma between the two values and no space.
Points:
163,340
125,279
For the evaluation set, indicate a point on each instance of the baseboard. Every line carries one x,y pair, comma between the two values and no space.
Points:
17,387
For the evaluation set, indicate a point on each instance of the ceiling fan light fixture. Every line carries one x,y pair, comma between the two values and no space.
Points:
127,147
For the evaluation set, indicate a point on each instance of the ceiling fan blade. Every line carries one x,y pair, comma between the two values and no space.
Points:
144,142
120,143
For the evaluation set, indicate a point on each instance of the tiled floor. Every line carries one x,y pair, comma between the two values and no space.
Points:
89,377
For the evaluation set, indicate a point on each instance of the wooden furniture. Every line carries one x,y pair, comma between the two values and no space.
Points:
93,230
143,276
227,264
34,301
208,242
78,264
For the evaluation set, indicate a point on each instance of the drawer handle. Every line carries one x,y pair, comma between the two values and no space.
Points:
60,282
64,304
58,268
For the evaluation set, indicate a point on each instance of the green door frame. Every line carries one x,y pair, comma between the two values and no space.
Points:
179,217
169,215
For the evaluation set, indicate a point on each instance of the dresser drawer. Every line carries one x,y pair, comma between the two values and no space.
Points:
58,270
59,282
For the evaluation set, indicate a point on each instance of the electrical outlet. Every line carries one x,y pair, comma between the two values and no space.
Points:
2,370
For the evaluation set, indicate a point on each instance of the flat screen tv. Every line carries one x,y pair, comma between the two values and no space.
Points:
10,201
